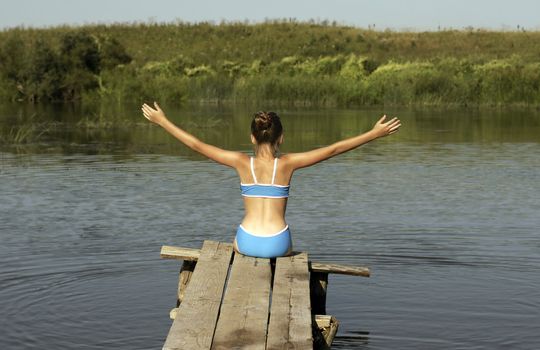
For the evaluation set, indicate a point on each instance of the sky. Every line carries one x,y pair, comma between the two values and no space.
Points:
382,14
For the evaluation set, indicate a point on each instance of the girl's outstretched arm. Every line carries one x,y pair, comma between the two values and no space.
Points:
380,129
229,158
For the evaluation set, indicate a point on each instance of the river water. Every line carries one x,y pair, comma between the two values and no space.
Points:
445,213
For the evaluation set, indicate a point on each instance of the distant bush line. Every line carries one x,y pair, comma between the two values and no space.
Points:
282,62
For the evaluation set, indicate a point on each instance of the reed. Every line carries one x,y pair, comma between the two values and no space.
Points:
25,132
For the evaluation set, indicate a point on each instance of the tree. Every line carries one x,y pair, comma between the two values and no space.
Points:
112,53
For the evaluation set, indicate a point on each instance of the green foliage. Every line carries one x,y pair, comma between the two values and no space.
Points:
499,80
80,50
302,89
12,57
112,53
12,62
199,71
278,61
233,69
529,89
45,74
354,68
119,86
36,70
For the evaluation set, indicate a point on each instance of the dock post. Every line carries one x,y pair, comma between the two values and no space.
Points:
318,284
183,279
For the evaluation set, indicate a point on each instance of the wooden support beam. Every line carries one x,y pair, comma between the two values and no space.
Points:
180,253
318,282
185,275
339,269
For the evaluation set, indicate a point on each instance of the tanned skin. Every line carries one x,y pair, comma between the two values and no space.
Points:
267,215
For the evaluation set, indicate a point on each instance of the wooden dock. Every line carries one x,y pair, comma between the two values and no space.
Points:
232,301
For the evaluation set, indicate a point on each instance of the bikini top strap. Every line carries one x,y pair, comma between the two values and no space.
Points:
253,171
274,172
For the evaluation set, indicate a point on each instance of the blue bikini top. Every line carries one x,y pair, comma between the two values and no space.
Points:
264,190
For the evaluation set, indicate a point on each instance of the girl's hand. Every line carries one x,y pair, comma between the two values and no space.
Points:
154,115
383,129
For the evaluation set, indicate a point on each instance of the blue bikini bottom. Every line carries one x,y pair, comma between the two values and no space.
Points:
263,246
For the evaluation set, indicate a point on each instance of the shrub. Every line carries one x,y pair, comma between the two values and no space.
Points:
499,81
38,71
80,50
46,77
112,53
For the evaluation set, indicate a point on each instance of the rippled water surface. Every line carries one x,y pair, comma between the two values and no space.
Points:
445,213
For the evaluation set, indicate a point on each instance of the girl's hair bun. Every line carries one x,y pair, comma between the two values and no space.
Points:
263,120
266,127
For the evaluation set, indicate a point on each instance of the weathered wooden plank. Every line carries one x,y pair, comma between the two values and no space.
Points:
330,331
323,321
339,269
290,312
244,311
193,327
325,330
180,253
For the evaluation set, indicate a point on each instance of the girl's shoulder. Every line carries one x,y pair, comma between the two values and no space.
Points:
286,157
284,160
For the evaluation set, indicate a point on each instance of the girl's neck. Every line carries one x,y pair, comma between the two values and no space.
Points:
265,151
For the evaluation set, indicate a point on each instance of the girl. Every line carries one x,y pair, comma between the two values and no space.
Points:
265,178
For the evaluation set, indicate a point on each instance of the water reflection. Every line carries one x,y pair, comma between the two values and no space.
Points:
54,129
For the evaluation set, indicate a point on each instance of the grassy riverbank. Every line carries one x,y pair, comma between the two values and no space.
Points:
282,62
